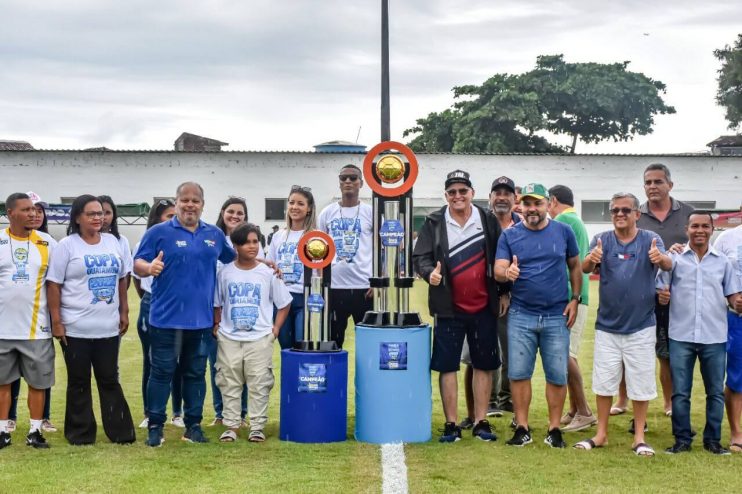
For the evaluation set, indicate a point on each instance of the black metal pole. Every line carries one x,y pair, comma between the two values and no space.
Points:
385,111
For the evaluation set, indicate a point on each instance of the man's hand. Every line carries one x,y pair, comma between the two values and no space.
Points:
676,248
513,272
655,256
60,333
435,276
156,266
123,323
596,255
504,304
738,304
663,295
276,330
571,312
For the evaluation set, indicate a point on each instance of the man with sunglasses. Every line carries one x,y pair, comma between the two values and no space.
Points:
625,336
454,254
350,224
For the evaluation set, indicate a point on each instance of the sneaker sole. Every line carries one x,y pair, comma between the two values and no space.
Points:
521,444
549,444
495,414
449,441
577,429
487,440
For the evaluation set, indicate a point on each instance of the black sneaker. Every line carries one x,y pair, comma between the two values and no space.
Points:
554,439
716,448
678,448
483,431
4,439
195,434
507,406
467,423
451,433
493,410
632,429
36,440
154,437
520,438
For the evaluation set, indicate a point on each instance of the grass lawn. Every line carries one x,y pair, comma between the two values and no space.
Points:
276,466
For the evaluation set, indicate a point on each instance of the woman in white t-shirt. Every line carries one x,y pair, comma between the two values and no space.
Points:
110,224
89,311
301,216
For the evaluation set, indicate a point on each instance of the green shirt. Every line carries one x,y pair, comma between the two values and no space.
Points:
569,217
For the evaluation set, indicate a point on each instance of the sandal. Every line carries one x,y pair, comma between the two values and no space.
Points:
228,436
256,437
643,449
735,447
587,445
618,410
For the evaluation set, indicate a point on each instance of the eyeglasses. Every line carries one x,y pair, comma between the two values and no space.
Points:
623,211
94,214
345,178
299,188
453,192
166,202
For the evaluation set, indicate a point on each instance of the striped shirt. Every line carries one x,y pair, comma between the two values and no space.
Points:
466,263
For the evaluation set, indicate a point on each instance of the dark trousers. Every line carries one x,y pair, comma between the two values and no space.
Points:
345,303
502,396
15,391
80,354
170,348
712,358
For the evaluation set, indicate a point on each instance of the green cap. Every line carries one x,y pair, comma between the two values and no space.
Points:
534,190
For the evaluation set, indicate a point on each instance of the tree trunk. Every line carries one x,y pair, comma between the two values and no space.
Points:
574,143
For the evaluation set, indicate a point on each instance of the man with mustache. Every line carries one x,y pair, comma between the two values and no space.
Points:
533,255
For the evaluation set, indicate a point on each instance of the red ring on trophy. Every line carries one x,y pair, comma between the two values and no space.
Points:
376,186
316,263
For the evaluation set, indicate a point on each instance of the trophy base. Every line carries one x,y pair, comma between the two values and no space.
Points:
377,319
407,319
316,346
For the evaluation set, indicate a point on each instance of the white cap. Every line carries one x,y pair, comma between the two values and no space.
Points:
36,199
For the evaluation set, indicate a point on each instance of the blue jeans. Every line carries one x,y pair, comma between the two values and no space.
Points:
143,332
529,333
713,363
170,348
293,327
216,394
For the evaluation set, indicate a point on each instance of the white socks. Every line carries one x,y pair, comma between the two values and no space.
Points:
35,425
3,426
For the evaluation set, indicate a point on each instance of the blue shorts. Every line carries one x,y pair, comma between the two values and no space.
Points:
528,333
734,352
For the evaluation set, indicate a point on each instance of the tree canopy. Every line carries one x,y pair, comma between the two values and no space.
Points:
587,101
729,93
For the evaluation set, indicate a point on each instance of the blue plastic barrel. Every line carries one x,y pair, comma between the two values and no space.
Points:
393,390
314,396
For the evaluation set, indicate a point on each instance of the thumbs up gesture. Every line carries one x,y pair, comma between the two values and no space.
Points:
435,276
513,272
156,266
596,255
655,256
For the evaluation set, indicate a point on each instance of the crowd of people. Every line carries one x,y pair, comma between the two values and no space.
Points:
505,284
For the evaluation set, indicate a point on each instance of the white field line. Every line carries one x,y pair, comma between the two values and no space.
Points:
393,469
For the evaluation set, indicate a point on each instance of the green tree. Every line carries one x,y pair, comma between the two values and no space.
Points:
588,101
729,93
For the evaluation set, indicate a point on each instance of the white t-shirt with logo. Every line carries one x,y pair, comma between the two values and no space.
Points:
282,251
352,230
730,244
23,269
89,275
145,283
126,252
247,297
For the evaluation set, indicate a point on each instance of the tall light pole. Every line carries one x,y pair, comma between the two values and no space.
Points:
385,110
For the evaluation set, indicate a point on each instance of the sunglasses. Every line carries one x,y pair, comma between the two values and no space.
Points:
623,211
454,192
345,178
299,188
166,202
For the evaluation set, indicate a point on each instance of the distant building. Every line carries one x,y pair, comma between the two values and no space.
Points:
339,147
726,146
192,142
15,146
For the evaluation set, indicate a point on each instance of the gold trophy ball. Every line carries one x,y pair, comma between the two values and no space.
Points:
316,249
390,169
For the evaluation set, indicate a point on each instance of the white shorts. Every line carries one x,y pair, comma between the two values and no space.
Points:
575,332
632,354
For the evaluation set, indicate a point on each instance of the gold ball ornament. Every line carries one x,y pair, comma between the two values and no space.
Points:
390,169
316,249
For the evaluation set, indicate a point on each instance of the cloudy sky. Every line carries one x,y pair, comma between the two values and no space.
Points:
288,74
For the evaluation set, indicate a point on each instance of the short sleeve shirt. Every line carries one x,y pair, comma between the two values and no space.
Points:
569,217
672,229
351,230
282,251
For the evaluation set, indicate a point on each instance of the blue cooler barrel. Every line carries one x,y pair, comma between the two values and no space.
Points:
393,390
314,396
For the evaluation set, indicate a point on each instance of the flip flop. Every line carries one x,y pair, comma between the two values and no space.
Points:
618,410
228,436
643,449
735,447
587,445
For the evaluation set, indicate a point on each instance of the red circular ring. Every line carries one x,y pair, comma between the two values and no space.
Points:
311,235
377,187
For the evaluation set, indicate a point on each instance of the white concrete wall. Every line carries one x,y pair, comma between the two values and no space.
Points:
140,176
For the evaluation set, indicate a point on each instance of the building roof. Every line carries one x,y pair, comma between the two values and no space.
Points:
15,146
726,141
340,143
204,140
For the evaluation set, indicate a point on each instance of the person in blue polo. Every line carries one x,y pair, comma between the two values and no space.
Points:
181,256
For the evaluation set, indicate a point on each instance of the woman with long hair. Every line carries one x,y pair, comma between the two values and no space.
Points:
301,216
89,309
110,225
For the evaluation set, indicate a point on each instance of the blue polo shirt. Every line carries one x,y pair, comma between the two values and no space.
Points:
183,294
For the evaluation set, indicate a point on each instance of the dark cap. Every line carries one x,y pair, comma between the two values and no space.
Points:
503,182
457,177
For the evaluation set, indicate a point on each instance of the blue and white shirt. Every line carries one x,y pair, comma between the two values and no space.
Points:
282,251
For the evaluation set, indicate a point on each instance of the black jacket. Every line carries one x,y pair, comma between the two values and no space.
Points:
432,246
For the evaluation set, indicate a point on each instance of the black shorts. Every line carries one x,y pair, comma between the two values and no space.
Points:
662,314
345,303
479,329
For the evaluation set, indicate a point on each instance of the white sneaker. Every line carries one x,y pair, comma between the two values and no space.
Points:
11,426
47,426
145,423
177,421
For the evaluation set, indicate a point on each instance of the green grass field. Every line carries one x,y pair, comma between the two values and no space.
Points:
276,466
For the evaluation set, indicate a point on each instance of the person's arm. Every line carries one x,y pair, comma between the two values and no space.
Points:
154,268
54,305
595,256
656,256
217,320
575,281
423,257
123,306
138,287
281,316
735,302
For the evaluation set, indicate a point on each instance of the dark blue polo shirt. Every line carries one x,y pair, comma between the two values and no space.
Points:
183,294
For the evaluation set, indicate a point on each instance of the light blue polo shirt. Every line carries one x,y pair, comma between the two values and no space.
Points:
183,294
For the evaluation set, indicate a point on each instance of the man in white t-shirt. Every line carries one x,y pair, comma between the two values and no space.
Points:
26,346
350,224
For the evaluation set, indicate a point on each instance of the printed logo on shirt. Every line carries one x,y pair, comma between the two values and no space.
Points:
289,263
210,243
4,242
103,289
181,243
42,242
245,300
346,232
625,256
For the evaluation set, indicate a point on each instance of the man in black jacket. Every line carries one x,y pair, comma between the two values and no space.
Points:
455,254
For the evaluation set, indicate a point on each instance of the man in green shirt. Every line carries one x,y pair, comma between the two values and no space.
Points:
579,416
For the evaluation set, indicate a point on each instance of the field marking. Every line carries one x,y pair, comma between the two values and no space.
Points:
393,469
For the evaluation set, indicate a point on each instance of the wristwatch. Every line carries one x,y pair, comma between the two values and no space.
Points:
578,298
